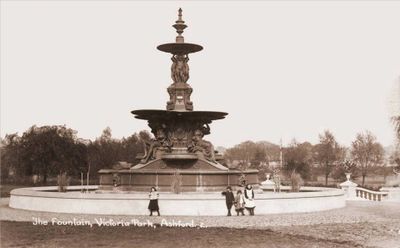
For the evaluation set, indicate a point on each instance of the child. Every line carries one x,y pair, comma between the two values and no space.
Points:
153,204
249,199
239,203
229,198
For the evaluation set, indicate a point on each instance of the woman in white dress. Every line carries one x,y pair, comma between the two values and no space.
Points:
249,199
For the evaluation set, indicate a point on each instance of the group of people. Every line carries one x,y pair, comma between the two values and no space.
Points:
242,200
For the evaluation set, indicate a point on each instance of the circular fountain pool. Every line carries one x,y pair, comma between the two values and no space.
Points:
135,203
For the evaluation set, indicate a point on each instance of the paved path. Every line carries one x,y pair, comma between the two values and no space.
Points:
374,224
354,212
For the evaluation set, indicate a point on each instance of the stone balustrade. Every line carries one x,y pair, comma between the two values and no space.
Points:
370,195
353,192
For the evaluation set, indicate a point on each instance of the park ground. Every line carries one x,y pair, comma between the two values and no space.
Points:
359,224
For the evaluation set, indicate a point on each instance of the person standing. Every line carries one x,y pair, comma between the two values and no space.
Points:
239,203
229,198
153,204
249,199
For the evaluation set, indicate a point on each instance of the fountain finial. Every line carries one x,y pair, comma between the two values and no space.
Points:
180,14
179,26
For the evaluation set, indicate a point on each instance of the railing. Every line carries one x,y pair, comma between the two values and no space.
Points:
370,195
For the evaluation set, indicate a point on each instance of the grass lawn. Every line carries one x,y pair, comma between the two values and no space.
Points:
24,234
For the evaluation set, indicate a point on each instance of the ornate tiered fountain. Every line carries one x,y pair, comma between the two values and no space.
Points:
178,159
178,156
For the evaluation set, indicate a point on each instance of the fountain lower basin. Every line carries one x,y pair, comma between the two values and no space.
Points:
185,204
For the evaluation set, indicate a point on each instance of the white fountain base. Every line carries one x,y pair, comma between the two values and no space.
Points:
192,204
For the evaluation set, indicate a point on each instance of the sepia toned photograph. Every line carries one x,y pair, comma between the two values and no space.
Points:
200,124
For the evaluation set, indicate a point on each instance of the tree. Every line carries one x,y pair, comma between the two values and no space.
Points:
244,153
104,152
49,150
328,153
395,109
340,170
395,117
252,154
396,122
297,159
144,136
131,147
396,155
10,155
272,151
394,159
366,153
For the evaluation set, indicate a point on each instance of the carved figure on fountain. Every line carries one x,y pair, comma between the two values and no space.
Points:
202,147
180,68
179,91
157,146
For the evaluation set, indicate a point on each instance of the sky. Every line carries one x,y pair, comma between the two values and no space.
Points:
282,70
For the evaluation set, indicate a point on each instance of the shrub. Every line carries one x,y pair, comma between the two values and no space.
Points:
296,182
62,182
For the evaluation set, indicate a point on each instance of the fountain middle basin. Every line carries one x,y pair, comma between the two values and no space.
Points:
185,204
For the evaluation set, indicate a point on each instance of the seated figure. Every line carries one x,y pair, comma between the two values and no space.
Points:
202,146
160,142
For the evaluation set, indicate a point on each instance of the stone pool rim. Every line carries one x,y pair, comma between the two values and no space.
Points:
184,204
